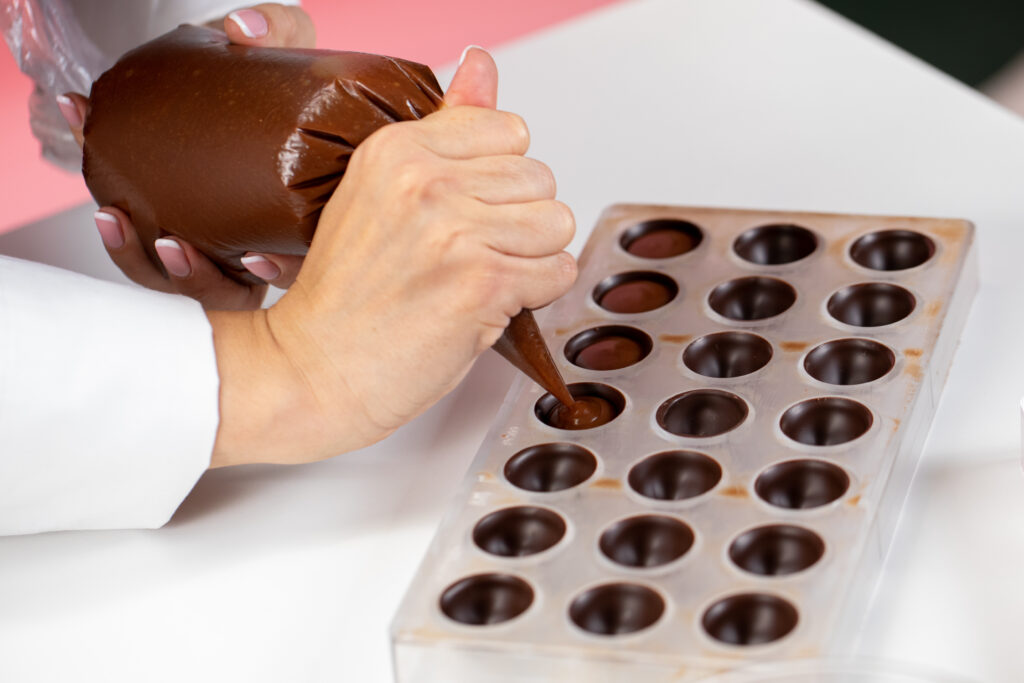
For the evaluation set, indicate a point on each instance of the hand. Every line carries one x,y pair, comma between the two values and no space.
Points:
439,233
189,272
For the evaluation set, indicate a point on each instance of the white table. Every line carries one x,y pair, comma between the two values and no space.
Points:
274,574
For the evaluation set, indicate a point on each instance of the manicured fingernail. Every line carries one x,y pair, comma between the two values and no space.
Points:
252,23
261,267
173,257
110,229
466,52
69,111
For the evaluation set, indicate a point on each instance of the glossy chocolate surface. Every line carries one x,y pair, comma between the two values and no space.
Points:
772,245
892,250
609,347
776,550
675,475
750,619
237,148
635,292
751,298
646,541
871,304
802,484
594,405
702,413
661,238
518,531
550,467
616,609
849,361
826,421
486,599
727,354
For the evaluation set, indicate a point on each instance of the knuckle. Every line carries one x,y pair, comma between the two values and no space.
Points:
517,131
546,180
564,222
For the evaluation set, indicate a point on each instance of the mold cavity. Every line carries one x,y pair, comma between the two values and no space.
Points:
751,298
675,475
701,413
519,531
727,354
750,619
661,238
773,245
550,467
826,421
596,405
849,361
776,550
486,599
802,484
616,608
892,250
609,347
871,304
635,292
646,541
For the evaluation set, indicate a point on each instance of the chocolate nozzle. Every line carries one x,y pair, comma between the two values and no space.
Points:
523,346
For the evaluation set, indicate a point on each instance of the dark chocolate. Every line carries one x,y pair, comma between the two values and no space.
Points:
776,550
550,467
751,298
519,531
616,608
646,541
773,245
635,292
849,361
750,619
485,599
594,405
675,475
727,354
702,413
802,484
871,304
892,250
237,148
609,347
826,421
661,238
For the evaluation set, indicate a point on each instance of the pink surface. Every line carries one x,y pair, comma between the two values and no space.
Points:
32,188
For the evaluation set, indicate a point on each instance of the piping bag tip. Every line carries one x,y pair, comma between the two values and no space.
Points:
523,346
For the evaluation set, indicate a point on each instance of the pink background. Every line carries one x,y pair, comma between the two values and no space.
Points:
33,188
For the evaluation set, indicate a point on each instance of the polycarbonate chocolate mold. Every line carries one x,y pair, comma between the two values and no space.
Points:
661,238
486,599
596,405
892,250
608,347
741,503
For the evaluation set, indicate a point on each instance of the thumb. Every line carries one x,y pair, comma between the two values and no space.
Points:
475,81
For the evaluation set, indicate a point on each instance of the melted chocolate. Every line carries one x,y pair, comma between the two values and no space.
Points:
519,531
646,541
750,619
616,608
610,347
802,484
849,361
635,292
772,245
661,238
550,467
675,475
594,405
523,345
776,550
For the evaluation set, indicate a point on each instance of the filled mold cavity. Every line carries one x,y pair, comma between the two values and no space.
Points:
550,467
751,298
661,238
615,609
826,421
595,405
608,347
727,354
776,550
702,413
635,292
675,475
486,599
774,245
871,304
646,541
519,531
802,484
892,250
849,361
750,619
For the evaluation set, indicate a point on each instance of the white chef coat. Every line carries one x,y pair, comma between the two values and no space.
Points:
108,401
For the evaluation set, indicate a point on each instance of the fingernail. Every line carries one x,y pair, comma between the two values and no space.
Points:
466,52
110,229
261,267
252,23
173,257
69,111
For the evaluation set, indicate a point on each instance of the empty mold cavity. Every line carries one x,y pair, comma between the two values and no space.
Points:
826,421
675,475
550,467
635,292
871,304
892,250
646,541
727,354
519,531
702,413
609,347
776,550
802,484
750,619
661,238
615,609
773,245
486,599
751,298
849,361
595,404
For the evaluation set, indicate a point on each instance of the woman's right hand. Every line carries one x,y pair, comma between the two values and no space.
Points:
439,233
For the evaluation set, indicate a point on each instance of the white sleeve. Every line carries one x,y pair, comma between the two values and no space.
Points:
108,401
